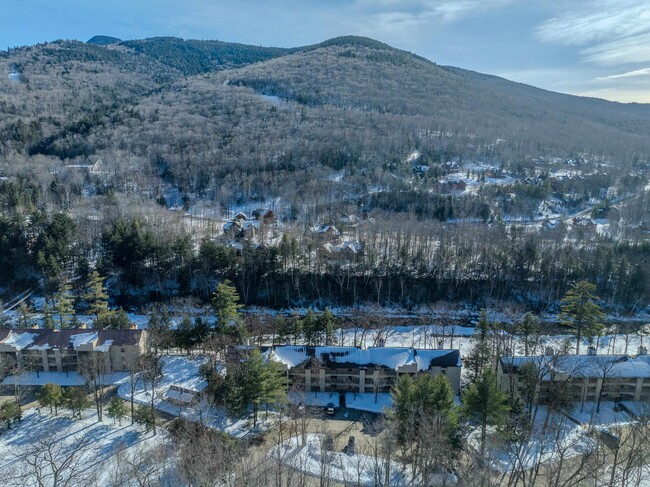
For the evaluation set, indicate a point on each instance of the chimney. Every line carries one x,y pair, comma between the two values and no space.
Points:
82,326
549,351
133,326
591,351
643,350
441,344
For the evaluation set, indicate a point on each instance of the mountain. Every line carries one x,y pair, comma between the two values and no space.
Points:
103,40
194,57
235,122
371,76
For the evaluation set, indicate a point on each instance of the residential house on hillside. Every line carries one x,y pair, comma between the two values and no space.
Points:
322,233
267,217
454,186
583,377
62,350
353,369
241,228
346,251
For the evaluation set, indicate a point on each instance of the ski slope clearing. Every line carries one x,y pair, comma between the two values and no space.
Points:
56,450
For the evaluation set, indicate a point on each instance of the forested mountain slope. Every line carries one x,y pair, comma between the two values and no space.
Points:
195,57
375,77
462,185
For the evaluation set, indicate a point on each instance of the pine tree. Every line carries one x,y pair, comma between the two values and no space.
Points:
257,382
485,403
528,327
327,321
10,412
24,315
64,304
225,302
48,320
76,400
310,330
96,295
282,330
50,395
116,410
145,415
581,312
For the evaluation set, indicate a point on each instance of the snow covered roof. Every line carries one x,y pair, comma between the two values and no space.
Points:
38,339
392,358
19,340
324,229
586,366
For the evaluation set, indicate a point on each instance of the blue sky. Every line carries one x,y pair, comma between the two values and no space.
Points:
585,47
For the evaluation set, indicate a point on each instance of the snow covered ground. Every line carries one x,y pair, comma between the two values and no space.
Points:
85,450
354,469
361,402
62,378
183,371
562,437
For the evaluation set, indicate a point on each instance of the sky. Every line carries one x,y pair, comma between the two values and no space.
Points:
597,48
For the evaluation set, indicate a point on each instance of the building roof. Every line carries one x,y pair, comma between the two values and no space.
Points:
392,358
41,339
585,366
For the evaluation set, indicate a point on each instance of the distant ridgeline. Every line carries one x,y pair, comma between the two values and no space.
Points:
103,40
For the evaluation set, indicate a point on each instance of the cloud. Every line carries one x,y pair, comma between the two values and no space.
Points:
629,74
427,10
611,32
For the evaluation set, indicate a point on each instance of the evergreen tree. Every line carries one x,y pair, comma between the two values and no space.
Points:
116,410
117,320
255,382
581,312
10,412
403,411
282,330
96,295
145,415
310,328
50,395
425,421
481,356
76,400
64,304
485,403
225,302
24,315
48,320
327,322
528,328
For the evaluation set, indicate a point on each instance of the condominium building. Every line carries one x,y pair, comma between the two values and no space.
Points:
581,377
353,369
63,350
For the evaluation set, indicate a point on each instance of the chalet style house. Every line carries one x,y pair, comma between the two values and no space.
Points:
353,369
583,377
63,350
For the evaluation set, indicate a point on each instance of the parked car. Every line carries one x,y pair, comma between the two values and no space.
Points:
330,409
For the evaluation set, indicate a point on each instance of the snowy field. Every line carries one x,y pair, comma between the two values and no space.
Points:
354,469
84,452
